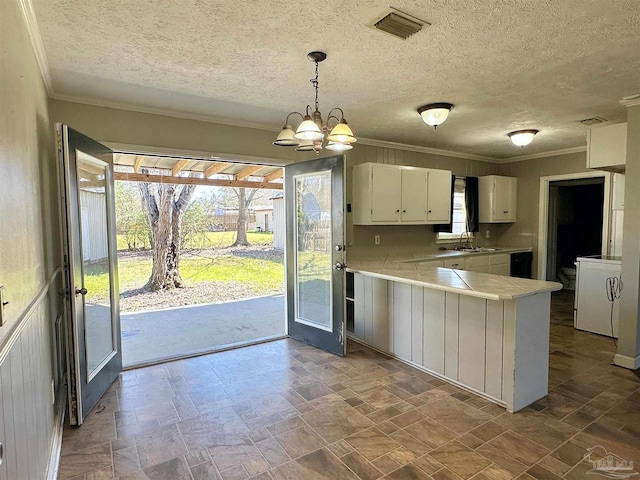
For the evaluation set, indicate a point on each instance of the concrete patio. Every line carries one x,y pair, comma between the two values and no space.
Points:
160,334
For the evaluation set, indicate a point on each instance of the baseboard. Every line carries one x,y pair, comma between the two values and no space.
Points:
56,437
627,362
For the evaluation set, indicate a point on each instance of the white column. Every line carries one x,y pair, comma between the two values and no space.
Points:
628,355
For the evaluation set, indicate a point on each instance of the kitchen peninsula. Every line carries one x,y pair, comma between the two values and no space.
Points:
486,333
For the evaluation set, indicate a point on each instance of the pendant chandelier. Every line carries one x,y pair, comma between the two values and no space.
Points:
309,135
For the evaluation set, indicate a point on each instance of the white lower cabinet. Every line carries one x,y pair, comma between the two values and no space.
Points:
497,264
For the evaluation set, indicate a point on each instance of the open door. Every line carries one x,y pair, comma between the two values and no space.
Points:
314,204
93,320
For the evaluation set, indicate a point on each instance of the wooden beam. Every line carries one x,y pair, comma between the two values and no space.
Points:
215,168
178,167
142,177
138,164
273,175
247,171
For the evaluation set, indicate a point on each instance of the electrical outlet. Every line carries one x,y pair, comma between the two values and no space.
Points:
376,239
488,234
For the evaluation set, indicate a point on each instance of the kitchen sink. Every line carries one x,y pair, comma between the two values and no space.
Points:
478,250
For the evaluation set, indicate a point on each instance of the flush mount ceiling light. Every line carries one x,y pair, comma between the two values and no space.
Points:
312,130
520,138
435,114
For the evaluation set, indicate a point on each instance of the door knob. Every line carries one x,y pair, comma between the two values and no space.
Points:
339,248
339,266
81,291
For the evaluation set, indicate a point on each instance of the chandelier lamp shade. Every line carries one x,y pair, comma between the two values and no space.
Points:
313,129
435,114
520,138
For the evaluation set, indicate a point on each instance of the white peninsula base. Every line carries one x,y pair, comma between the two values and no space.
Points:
497,348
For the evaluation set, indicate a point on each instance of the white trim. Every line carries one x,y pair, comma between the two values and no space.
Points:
631,101
161,111
627,362
434,151
543,214
56,436
551,153
31,21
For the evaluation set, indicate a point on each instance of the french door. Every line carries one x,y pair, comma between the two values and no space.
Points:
314,205
93,327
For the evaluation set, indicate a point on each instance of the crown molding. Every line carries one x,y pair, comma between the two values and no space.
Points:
433,151
29,14
551,153
363,141
159,111
631,101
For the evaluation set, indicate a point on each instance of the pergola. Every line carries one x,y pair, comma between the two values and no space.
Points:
186,171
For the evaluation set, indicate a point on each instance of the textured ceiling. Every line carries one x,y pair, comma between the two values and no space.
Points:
504,64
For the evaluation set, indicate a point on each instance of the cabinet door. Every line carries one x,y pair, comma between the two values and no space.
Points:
439,196
502,269
385,193
607,146
504,193
414,195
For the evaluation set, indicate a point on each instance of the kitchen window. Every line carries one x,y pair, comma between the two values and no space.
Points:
459,215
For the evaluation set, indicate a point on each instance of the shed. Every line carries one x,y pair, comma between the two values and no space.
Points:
279,229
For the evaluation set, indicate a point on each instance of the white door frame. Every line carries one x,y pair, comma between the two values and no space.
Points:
543,214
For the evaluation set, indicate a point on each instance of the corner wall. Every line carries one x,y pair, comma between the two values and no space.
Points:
29,254
524,233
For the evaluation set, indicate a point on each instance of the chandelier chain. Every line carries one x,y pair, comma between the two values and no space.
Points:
315,83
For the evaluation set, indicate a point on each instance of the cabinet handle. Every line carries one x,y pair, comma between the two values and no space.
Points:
404,211
397,211
428,211
506,211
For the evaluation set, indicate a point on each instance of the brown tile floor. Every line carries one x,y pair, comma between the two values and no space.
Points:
283,410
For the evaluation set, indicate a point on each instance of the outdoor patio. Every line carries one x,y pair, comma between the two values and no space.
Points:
175,332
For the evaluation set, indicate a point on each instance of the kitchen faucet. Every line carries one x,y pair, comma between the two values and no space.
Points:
467,245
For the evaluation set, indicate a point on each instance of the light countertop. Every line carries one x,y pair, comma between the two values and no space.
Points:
600,259
408,269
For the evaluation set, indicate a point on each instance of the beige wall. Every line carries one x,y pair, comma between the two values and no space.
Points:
629,341
28,252
150,130
524,233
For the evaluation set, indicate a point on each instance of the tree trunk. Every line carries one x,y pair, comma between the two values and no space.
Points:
243,206
165,215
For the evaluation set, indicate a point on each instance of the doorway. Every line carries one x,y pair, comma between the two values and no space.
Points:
575,226
204,225
547,237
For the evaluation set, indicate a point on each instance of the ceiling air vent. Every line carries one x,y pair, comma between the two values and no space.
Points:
592,121
397,23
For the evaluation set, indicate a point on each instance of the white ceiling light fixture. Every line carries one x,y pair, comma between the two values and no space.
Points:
521,138
435,114
312,131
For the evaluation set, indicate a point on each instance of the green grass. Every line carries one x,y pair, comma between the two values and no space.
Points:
259,275
213,239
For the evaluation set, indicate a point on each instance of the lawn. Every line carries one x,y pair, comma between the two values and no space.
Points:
260,276
212,240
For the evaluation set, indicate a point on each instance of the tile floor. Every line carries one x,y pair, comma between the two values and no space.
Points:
283,410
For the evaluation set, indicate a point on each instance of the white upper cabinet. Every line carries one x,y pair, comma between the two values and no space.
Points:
607,147
497,199
414,195
393,194
439,196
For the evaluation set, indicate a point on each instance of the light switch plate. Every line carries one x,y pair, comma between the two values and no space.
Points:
2,303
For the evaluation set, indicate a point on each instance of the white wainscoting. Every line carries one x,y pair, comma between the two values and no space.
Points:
498,349
27,418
